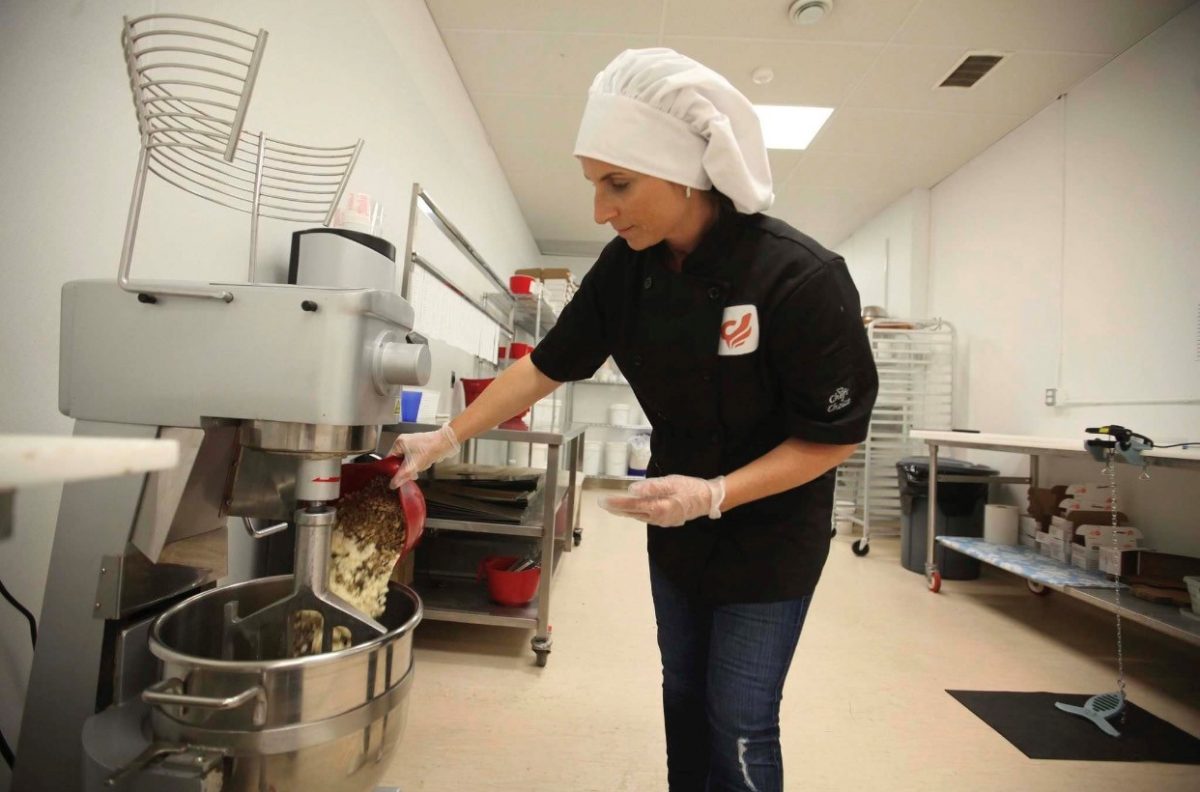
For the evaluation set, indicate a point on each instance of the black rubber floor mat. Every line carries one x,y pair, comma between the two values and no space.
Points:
1040,731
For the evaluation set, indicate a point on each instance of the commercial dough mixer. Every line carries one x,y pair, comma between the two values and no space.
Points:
146,677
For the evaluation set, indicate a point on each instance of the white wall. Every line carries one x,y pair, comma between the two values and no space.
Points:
1080,231
332,72
888,258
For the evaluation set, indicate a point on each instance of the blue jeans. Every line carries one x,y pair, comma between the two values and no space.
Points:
723,673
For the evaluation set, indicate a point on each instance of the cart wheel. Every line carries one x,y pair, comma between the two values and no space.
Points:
542,656
577,536
1037,588
860,548
935,582
833,532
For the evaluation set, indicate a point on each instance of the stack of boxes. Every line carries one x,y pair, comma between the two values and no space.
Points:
558,285
1076,526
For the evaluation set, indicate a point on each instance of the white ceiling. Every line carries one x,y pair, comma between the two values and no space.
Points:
527,65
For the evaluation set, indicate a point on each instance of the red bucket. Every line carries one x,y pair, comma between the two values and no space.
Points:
473,387
356,475
509,588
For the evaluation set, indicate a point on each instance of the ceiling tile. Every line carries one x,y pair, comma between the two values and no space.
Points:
851,20
557,202
783,162
1023,83
529,132
1098,26
930,145
806,72
544,63
610,16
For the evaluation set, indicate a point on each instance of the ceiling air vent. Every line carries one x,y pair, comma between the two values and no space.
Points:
971,70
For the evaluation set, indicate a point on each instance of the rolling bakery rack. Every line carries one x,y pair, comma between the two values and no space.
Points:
915,361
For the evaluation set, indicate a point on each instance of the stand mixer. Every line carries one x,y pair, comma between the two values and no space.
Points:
172,683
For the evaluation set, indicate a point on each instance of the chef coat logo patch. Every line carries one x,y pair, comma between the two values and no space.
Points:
840,400
739,330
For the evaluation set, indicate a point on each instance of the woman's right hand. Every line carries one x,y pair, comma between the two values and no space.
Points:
421,451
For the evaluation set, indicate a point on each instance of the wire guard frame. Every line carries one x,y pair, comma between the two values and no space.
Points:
192,79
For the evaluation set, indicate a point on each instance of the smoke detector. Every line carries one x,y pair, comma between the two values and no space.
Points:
809,12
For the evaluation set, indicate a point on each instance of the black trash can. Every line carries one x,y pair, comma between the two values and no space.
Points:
959,513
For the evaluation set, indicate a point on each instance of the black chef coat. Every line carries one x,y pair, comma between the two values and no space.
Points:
758,339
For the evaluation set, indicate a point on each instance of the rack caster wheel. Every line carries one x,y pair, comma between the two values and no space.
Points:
1037,588
577,537
832,532
541,648
935,581
860,548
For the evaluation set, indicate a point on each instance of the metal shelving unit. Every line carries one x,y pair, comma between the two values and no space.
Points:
464,599
915,361
1163,618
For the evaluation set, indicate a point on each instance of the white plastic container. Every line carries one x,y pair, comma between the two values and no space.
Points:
616,458
593,457
618,414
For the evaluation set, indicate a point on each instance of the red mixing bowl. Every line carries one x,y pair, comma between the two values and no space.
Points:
356,475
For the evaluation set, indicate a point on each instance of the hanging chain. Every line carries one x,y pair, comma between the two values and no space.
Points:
1110,470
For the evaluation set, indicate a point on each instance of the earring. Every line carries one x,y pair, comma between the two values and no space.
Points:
687,192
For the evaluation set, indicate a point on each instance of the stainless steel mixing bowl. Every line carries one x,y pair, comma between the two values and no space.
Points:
324,722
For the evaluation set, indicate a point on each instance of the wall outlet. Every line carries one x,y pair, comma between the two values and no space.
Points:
1051,397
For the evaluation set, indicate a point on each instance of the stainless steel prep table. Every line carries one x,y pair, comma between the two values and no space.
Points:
1163,618
466,601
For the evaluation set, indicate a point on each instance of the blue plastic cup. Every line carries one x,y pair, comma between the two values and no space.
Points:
410,405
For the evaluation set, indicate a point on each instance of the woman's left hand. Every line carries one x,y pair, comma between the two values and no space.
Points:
669,501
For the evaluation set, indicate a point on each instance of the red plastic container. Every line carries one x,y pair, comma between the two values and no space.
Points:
473,387
356,475
521,284
509,588
518,350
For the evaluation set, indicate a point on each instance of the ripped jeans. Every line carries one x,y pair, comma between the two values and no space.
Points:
723,673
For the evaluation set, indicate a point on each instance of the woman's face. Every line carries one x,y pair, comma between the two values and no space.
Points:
643,210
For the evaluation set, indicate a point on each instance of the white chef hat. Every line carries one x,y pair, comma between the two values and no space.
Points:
661,113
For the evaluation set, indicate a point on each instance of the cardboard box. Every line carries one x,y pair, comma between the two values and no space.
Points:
1085,557
547,273
1062,533
1118,562
1101,517
1044,502
1054,548
1102,536
1097,503
1084,491
1028,526
1029,540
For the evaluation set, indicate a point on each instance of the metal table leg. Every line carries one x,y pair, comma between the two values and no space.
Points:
932,576
541,641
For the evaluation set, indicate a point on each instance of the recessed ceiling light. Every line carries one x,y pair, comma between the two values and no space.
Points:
791,126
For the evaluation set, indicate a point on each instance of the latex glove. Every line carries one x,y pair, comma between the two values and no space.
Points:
421,451
669,501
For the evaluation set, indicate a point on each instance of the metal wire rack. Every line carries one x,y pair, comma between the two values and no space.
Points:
192,79
915,360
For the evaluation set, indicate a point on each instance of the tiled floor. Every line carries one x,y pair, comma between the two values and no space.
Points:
865,707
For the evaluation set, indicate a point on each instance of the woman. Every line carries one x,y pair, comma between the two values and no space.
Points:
742,340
